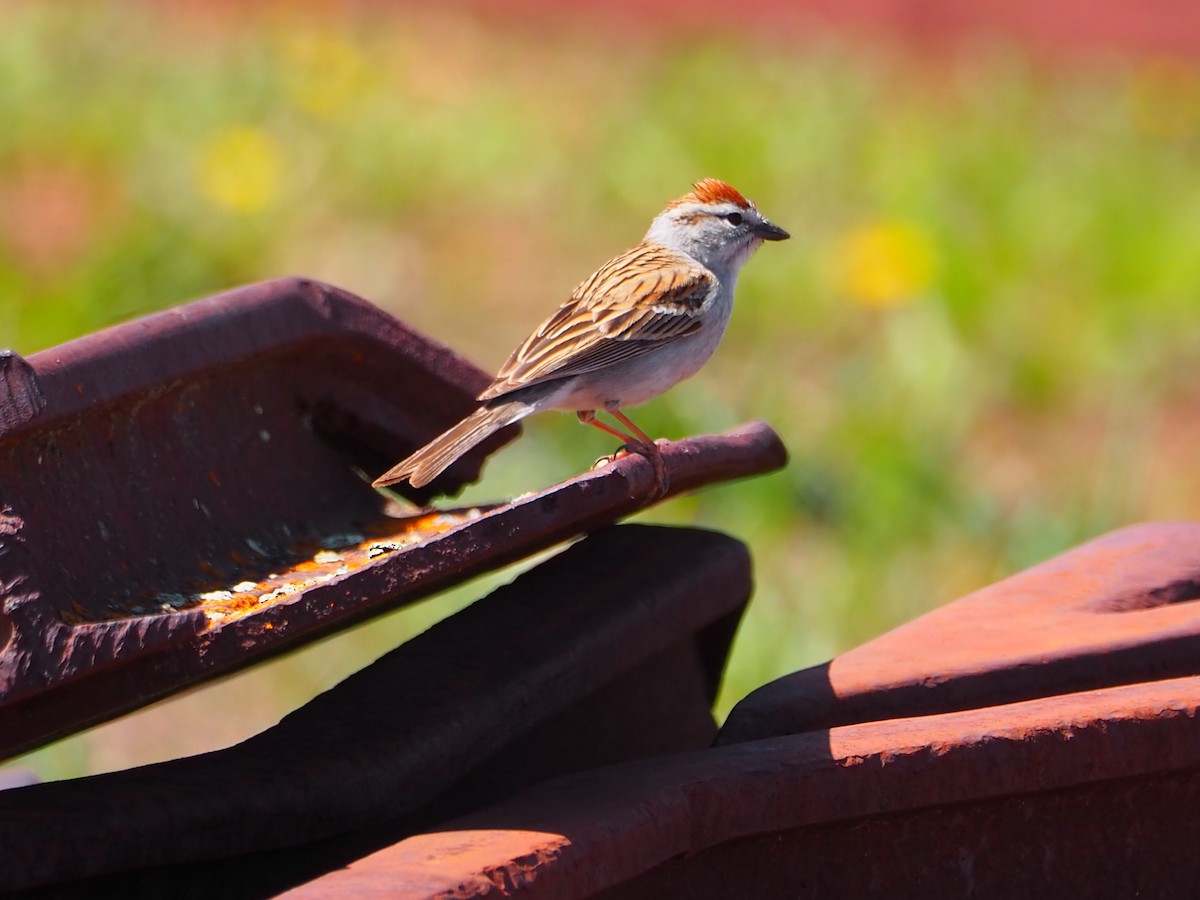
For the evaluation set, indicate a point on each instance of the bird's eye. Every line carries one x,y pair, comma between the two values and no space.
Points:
733,218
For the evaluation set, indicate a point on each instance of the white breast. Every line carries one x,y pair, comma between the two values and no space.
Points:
644,378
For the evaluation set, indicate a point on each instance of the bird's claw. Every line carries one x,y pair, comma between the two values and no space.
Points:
610,458
662,482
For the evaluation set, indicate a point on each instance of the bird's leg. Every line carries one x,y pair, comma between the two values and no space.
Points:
642,443
651,451
588,417
643,438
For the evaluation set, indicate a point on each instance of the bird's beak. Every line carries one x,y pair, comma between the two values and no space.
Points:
769,231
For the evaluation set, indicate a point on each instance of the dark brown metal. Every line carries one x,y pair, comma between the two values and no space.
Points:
1117,610
147,464
609,651
184,495
756,815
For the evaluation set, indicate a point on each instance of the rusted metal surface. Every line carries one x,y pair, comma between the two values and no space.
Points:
184,495
1025,715
1120,839
609,651
638,829
1116,610
985,749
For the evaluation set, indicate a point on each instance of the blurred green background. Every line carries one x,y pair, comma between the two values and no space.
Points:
980,345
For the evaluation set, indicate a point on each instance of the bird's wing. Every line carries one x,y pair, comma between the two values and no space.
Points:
635,303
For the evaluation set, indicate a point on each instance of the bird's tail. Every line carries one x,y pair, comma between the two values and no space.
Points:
429,462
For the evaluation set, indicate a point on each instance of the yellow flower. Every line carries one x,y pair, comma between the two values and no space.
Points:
323,73
884,264
241,169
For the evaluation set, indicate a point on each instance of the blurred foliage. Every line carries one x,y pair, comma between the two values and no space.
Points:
979,345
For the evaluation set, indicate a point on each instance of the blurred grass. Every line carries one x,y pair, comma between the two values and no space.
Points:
980,346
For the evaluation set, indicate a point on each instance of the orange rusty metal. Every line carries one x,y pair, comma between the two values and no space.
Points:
1032,739
745,819
1115,610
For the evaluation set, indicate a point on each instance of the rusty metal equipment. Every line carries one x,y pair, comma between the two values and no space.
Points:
184,495
1039,738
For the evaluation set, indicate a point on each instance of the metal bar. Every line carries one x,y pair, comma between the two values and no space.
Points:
1117,610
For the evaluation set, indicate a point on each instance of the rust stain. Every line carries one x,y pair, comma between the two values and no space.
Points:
273,578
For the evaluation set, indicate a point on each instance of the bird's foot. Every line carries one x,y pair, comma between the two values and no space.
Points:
652,452
622,451
662,481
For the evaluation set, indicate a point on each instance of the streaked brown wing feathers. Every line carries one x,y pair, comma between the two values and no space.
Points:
635,302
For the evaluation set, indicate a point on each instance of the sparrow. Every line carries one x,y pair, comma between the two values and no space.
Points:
646,320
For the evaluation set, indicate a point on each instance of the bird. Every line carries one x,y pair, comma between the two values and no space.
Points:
644,321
